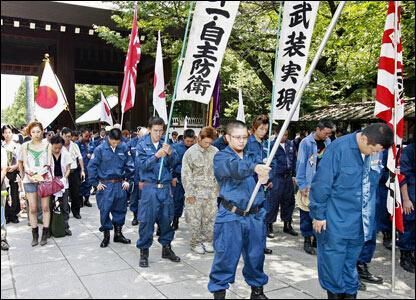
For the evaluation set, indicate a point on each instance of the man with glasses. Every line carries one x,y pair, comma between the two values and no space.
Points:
238,232
156,203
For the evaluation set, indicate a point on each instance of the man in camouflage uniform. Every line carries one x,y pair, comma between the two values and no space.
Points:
201,190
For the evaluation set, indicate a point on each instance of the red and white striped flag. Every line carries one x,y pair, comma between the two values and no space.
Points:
389,104
128,89
105,111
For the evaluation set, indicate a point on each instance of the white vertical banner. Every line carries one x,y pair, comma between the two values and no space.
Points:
159,96
295,39
211,27
185,123
240,113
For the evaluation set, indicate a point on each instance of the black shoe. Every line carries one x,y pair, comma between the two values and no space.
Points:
361,286
287,228
15,220
4,245
366,276
68,232
87,202
219,294
387,240
77,216
175,223
406,261
168,253
350,296
314,243
106,239
44,238
144,258
158,230
119,237
35,236
270,233
268,251
257,293
134,222
307,246
334,296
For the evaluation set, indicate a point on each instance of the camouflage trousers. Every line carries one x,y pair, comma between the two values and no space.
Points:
201,218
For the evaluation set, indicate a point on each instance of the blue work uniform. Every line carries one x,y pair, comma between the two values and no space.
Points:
106,165
343,193
178,191
234,234
220,143
408,169
136,193
85,149
305,171
156,203
282,192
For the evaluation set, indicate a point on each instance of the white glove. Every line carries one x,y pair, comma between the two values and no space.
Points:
125,185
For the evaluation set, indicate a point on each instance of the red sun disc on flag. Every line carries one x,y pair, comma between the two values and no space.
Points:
46,97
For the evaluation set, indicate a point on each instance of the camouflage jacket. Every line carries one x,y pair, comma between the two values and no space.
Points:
198,178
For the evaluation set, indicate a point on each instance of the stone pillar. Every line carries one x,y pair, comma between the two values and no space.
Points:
30,96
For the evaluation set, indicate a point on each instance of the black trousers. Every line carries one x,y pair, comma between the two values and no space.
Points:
74,180
12,210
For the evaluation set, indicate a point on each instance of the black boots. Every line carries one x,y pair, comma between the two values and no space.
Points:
168,253
257,293
35,235
407,261
219,294
268,251
307,246
366,276
287,228
44,238
134,222
106,239
270,233
334,296
144,258
87,202
175,223
387,239
350,296
119,237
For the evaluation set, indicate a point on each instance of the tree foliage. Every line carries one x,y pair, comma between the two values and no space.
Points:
86,96
346,72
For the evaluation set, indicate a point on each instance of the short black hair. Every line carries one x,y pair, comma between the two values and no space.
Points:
103,129
156,121
325,124
115,134
379,134
174,133
234,124
66,130
189,133
75,133
83,130
57,139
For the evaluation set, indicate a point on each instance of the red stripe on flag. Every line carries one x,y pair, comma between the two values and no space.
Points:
385,116
387,64
390,10
387,36
384,96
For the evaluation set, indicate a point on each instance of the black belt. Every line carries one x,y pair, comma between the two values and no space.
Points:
285,175
156,185
234,209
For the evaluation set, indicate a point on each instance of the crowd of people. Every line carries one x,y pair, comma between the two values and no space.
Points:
337,182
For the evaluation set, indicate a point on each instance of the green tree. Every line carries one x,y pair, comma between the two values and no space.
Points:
86,96
346,72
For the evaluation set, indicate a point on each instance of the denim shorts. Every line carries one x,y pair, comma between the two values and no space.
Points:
31,187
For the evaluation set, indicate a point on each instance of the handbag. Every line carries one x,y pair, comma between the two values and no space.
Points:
49,187
57,222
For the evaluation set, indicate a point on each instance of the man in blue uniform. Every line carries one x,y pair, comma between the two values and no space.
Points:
110,169
311,150
86,150
235,231
407,239
282,192
257,147
342,205
156,203
178,191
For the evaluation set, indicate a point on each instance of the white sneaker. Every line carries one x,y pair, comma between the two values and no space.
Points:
208,247
198,249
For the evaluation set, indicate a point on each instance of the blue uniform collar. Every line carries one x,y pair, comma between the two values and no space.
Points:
229,150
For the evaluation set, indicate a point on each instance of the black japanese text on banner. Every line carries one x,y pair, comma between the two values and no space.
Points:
295,38
211,27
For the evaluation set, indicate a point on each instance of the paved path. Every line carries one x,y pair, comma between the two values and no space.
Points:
76,267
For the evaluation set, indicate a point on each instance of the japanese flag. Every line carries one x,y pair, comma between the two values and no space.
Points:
105,111
50,100
159,97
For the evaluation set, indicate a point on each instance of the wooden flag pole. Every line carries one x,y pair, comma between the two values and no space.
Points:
299,95
178,72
